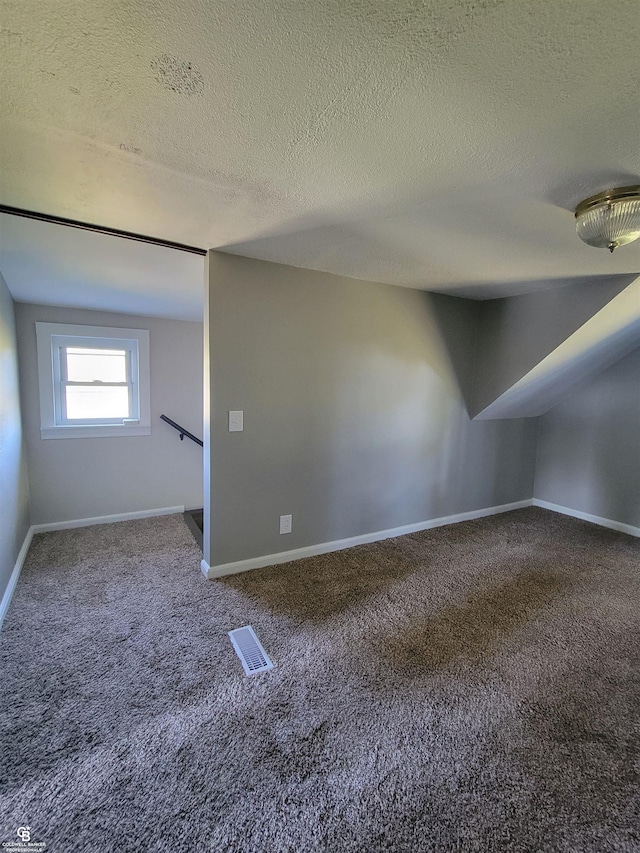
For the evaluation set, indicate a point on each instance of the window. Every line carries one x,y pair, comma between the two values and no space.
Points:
94,381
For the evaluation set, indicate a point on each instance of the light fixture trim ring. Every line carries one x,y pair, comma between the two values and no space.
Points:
608,196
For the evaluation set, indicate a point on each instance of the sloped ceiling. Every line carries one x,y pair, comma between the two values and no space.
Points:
55,265
438,145
533,350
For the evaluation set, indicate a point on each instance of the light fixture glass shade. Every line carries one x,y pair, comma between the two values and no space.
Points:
610,219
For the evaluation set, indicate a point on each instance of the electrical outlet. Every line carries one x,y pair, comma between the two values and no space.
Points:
285,524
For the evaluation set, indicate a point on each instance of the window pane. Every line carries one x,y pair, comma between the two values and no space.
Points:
85,403
90,365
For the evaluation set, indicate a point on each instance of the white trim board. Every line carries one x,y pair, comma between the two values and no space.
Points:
212,572
585,516
15,574
106,519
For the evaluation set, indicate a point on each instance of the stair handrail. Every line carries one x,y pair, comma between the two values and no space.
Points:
181,430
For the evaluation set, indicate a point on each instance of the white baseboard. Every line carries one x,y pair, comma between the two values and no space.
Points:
585,516
211,572
106,519
15,574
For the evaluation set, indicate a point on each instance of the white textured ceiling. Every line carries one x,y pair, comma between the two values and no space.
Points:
439,145
56,265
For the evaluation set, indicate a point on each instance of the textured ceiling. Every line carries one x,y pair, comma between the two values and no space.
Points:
437,144
55,265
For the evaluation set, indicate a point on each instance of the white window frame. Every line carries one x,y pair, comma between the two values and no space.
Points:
51,339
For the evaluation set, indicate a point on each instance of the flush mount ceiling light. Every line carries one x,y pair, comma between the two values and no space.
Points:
610,219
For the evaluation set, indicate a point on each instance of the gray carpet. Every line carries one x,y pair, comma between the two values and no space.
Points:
470,688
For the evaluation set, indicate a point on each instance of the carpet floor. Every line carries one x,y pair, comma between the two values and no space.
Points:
470,688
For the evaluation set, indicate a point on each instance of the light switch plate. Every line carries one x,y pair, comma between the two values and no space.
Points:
236,421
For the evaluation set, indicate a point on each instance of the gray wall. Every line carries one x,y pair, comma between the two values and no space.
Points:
87,477
589,447
354,420
14,492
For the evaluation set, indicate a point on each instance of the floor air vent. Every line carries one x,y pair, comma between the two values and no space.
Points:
249,649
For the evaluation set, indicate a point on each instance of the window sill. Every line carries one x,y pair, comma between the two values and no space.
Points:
99,431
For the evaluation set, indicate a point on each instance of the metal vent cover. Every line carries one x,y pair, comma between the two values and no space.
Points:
249,649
